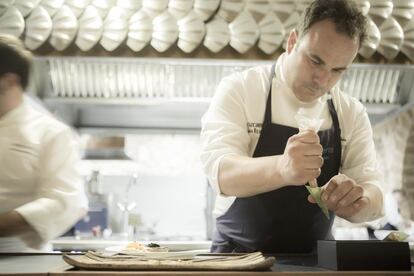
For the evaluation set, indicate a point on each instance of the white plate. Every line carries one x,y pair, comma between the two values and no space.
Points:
157,255
4,4
38,28
52,6
12,22
205,8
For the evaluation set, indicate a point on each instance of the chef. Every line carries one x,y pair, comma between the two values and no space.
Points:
258,162
41,192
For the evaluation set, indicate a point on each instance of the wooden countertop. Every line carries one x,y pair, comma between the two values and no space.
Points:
53,264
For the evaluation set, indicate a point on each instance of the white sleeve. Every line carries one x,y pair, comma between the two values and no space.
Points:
60,197
360,161
224,128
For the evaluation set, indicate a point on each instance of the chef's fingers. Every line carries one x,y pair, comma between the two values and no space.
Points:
328,189
312,149
307,136
351,197
352,209
312,173
311,199
313,162
337,194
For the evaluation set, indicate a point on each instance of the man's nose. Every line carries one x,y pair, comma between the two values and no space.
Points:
321,77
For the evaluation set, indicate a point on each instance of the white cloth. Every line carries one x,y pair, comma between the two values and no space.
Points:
232,125
39,176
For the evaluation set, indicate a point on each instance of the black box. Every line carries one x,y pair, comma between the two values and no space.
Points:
364,255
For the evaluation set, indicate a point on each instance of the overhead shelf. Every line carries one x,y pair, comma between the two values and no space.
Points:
168,94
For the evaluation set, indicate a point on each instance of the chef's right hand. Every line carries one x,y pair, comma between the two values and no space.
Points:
302,159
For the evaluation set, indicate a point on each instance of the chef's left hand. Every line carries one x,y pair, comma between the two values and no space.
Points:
343,196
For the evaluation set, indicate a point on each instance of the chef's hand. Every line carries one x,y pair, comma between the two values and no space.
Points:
302,159
343,196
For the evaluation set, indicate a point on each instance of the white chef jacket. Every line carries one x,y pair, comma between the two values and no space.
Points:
232,125
39,176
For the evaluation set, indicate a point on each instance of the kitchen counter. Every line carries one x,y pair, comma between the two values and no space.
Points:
53,264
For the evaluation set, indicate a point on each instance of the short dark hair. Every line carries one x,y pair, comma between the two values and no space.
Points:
345,14
14,58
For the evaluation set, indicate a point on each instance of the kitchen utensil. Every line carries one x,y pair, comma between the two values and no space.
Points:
38,28
139,30
154,8
392,91
244,32
60,85
68,78
365,86
283,8
290,24
380,10
205,8
103,6
65,26
51,6
90,85
272,33
180,8
378,86
129,7
90,29
25,6
115,29
99,79
77,6
12,22
403,11
4,4
371,92
165,32
408,45
76,71
229,9
83,78
54,78
370,45
191,31
392,36
217,34
258,8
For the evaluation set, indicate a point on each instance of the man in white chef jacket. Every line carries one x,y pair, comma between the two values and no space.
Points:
41,192
258,162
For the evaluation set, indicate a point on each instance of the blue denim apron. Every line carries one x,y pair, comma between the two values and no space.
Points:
282,220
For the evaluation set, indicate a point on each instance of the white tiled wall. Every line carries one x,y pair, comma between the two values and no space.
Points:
171,189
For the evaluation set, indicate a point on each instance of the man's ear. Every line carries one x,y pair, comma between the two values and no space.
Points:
7,81
10,79
291,41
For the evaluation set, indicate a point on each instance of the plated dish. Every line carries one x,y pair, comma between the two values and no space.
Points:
153,251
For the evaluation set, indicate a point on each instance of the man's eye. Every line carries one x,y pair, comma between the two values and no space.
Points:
314,61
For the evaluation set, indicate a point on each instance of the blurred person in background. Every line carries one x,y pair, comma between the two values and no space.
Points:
258,162
41,191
